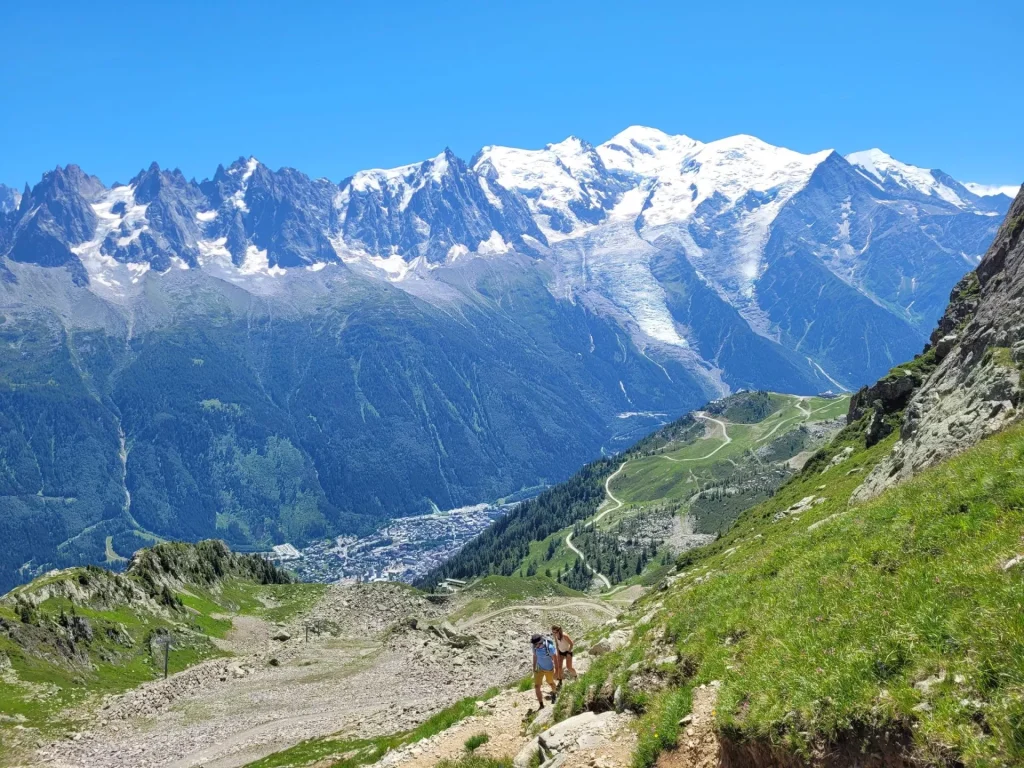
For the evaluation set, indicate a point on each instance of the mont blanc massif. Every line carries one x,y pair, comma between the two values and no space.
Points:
264,357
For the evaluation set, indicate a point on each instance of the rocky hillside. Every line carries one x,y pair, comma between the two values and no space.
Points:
977,353
72,635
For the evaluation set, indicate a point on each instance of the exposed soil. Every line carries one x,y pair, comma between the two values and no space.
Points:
698,745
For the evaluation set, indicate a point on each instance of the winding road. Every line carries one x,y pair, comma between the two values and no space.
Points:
725,437
554,606
618,505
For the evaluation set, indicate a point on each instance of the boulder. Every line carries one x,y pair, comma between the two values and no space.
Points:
585,731
281,636
526,755
613,642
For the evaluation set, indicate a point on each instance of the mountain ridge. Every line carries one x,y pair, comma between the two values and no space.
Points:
444,333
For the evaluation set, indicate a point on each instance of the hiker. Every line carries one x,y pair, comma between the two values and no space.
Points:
543,666
563,657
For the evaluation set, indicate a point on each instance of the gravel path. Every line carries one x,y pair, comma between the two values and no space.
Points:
376,676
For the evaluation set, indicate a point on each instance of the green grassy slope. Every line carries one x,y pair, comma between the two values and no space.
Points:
665,474
840,623
676,473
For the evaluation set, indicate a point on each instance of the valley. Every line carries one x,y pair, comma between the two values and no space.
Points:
269,358
511,385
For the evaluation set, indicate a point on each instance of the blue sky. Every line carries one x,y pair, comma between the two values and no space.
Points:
331,88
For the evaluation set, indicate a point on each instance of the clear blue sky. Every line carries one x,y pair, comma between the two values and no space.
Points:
334,87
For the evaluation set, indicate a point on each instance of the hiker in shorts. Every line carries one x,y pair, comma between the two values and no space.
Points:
563,654
543,666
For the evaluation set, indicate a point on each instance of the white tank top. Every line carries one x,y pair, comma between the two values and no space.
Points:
562,643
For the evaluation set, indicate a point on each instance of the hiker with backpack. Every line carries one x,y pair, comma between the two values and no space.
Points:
563,658
543,666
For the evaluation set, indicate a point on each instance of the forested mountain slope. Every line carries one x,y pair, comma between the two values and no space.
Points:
623,519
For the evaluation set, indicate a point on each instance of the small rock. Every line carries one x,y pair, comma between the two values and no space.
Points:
281,636
925,686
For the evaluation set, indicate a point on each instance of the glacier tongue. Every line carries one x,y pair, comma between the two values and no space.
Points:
717,199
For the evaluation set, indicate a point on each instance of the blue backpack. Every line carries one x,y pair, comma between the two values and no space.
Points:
546,655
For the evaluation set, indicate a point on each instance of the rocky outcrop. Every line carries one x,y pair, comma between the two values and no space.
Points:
975,390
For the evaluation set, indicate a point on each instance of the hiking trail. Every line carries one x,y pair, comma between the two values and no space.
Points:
618,505
725,438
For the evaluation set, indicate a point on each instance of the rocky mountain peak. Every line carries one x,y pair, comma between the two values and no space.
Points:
10,198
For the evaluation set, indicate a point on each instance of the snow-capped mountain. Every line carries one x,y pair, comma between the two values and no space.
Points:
9,199
262,356
565,185
762,229
437,209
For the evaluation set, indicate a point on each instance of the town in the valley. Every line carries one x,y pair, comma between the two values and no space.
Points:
403,550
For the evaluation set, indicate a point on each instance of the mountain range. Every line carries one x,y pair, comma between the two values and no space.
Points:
263,356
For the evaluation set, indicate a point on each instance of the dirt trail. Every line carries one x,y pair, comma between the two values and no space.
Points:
698,745
725,438
510,721
618,505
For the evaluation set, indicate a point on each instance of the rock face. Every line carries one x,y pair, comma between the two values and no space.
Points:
976,388
613,642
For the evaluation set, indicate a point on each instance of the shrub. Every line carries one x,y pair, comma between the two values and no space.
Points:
475,741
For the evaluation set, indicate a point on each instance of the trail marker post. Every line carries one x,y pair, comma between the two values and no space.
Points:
165,641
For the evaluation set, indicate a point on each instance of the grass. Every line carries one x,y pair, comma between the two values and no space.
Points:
50,680
675,474
561,558
112,558
476,761
676,466
476,741
820,624
349,753
658,729
677,470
